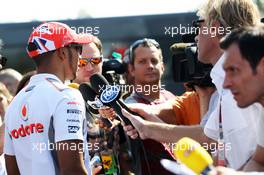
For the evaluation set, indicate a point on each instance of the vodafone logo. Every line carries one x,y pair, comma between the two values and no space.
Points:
27,130
24,111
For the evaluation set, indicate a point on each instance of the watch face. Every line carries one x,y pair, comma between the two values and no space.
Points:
109,94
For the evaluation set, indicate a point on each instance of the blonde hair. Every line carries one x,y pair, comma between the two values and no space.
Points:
230,13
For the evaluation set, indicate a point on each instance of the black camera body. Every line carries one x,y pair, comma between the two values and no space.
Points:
3,59
186,67
113,68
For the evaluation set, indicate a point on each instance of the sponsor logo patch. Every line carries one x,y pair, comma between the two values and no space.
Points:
24,112
27,130
73,120
73,111
73,129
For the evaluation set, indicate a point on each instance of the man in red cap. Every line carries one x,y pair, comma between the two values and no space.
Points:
45,129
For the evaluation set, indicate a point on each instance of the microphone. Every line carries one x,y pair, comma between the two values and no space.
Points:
94,104
193,155
176,167
95,160
89,96
109,95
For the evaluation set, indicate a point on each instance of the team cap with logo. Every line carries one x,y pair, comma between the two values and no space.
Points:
52,36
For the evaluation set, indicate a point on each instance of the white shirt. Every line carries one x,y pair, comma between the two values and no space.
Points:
2,165
260,131
45,109
239,125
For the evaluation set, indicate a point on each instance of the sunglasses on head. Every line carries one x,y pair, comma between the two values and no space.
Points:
139,42
94,61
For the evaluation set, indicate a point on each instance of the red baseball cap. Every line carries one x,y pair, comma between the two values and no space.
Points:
52,36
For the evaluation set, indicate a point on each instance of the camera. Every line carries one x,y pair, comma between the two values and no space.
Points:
185,65
113,68
3,59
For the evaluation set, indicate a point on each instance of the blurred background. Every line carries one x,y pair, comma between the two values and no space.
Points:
116,22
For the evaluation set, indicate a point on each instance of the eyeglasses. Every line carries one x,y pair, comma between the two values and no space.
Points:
139,42
3,60
77,47
197,23
94,61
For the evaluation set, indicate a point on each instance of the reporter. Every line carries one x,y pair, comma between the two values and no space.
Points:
238,124
244,77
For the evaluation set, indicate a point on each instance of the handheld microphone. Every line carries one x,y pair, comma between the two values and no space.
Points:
193,155
176,167
109,95
95,160
89,95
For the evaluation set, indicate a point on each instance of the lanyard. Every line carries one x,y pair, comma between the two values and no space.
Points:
221,161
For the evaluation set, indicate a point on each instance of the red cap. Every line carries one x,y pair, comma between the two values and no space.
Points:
53,35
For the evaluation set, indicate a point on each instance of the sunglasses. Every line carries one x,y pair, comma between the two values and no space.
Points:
197,23
94,61
139,42
3,60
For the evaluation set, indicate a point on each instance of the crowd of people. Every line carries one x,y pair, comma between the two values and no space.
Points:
46,124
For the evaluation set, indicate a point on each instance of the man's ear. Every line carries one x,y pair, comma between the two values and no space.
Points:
131,70
214,29
61,53
260,67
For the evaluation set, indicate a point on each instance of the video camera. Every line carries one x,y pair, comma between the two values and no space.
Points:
2,58
185,65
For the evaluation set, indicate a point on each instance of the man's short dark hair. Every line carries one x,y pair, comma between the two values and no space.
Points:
250,41
145,42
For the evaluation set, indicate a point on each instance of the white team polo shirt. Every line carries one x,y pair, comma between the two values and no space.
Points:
239,125
45,111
